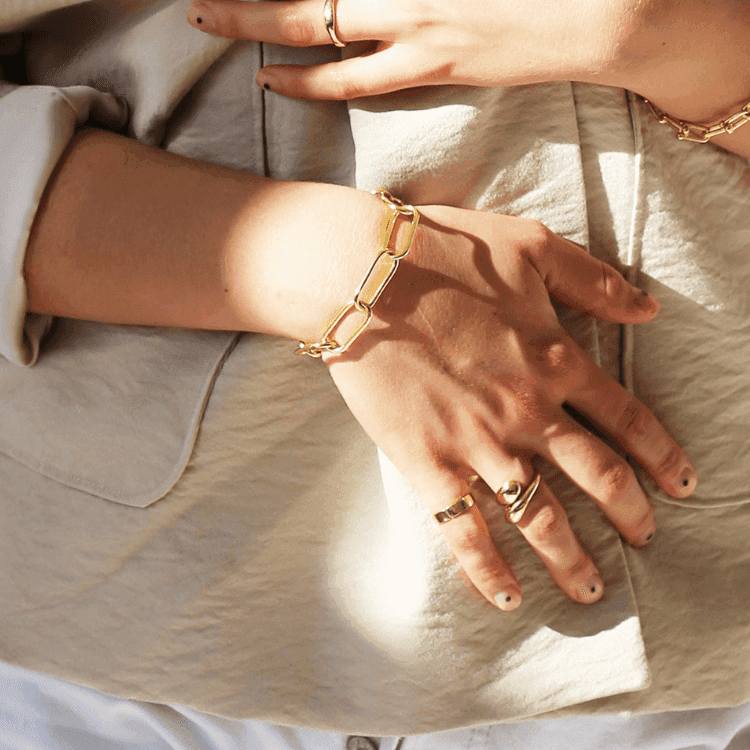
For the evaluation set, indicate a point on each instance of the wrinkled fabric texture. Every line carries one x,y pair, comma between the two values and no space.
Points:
285,571
38,712
49,116
675,218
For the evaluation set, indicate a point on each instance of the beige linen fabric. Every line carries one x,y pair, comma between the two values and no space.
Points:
291,574
678,215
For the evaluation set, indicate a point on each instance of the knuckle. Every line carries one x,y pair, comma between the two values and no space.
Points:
672,463
468,539
229,25
614,480
581,565
297,30
546,525
295,86
537,237
555,355
340,87
611,281
486,574
636,421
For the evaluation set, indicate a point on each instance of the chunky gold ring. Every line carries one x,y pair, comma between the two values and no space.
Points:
329,16
516,499
460,506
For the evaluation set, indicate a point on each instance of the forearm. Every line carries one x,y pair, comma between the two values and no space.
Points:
691,59
131,234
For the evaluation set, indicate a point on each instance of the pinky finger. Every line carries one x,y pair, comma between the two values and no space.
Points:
369,75
469,540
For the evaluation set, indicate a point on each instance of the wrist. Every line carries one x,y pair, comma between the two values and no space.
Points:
296,257
397,234
730,130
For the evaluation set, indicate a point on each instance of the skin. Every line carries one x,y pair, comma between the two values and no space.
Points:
689,57
463,370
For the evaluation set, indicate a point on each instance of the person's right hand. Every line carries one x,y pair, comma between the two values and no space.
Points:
466,371
689,58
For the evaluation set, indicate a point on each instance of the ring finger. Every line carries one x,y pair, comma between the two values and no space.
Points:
546,528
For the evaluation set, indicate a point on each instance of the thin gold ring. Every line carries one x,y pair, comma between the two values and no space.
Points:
516,499
329,16
460,506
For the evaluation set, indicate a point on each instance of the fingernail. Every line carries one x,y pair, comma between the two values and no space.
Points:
645,539
200,14
268,82
508,600
687,481
592,590
645,302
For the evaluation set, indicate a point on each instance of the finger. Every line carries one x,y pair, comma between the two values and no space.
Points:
603,475
546,528
636,430
389,69
578,280
295,23
469,540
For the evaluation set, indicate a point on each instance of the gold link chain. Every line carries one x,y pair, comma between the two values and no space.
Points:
375,281
689,131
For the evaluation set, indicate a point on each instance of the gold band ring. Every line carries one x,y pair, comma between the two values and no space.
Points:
460,506
329,16
516,499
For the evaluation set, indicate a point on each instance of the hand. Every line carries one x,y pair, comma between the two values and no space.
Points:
688,57
465,372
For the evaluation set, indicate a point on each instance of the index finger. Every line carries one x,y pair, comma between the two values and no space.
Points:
293,23
636,430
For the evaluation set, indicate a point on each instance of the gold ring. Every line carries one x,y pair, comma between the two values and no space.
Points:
460,506
329,16
516,499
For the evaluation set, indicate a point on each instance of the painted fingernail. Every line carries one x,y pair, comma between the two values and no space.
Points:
645,539
645,302
200,14
508,600
687,481
268,82
592,590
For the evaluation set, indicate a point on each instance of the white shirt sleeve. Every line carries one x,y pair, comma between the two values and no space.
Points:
36,125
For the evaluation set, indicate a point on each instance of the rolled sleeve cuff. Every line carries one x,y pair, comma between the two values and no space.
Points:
36,125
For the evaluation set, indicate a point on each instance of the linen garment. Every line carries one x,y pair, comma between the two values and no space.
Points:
39,712
194,517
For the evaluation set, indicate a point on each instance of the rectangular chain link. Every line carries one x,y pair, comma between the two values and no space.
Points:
375,281
689,131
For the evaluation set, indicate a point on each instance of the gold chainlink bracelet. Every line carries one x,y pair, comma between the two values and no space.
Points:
381,272
689,131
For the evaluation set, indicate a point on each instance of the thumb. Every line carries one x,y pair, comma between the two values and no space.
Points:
578,280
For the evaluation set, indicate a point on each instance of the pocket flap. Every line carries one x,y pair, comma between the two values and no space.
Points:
111,410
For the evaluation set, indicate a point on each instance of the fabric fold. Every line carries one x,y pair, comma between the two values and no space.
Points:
36,124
